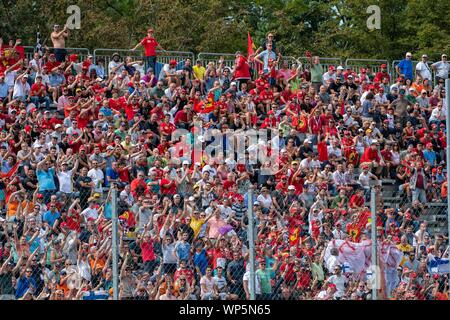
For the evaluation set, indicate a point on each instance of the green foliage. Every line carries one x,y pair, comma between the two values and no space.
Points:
333,28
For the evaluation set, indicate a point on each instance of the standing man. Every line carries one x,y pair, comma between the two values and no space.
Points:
150,45
405,67
423,69
58,37
442,68
316,71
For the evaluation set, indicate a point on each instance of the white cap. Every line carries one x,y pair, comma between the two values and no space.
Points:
233,84
197,164
58,126
291,187
191,198
307,141
185,162
340,68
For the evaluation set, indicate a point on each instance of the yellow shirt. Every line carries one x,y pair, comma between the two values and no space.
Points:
196,225
199,72
405,249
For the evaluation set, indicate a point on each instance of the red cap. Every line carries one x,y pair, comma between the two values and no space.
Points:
82,148
40,196
261,73
383,66
434,170
371,87
270,112
399,79
435,276
381,89
150,30
331,68
429,145
172,62
362,70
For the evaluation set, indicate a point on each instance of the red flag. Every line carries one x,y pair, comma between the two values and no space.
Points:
250,45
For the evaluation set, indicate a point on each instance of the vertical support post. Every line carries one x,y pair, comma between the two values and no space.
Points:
373,209
447,151
251,241
114,247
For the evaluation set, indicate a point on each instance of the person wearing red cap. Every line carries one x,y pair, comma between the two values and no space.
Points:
169,73
150,45
383,73
329,76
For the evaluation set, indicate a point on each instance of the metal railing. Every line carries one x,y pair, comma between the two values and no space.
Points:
324,62
415,62
373,64
163,57
206,58
82,53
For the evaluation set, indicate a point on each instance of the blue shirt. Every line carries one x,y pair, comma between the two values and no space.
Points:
265,55
201,261
98,69
406,68
22,286
430,156
3,90
106,111
46,179
113,174
51,218
182,250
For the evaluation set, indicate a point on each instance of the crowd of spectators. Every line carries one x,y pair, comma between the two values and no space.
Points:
73,131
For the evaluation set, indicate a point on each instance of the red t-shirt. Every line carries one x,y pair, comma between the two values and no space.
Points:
148,252
35,88
171,190
149,44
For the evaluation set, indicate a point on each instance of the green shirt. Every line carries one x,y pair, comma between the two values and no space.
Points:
317,271
316,73
265,277
121,134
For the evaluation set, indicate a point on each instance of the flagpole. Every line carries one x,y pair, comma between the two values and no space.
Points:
447,131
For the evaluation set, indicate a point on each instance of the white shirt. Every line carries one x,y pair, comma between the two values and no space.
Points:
112,64
442,69
97,177
265,202
20,89
339,282
246,278
423,70
10,77
90,213
65,181
436,114
208,283
326,76
365,178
